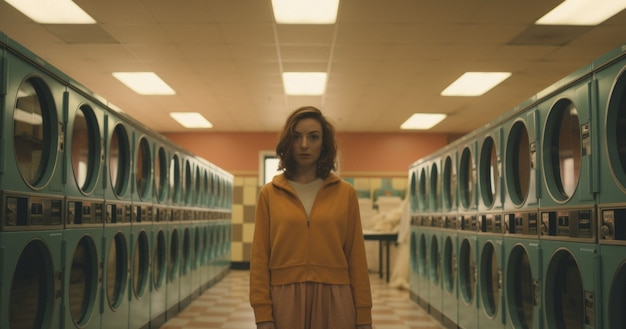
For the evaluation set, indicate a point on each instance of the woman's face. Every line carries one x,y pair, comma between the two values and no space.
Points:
307,142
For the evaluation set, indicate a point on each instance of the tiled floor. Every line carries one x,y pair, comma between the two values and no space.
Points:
226,305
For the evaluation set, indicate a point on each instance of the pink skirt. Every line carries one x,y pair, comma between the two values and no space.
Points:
312,305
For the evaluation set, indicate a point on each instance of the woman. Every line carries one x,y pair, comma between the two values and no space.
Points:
308,268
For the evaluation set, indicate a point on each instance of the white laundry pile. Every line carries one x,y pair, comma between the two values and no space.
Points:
392,216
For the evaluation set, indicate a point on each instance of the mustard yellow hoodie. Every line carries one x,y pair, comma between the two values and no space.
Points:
328,247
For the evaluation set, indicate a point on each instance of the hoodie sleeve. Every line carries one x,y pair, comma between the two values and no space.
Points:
357,262
260,298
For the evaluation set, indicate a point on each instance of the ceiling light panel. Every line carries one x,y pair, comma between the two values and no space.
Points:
582,12
52,11
144,83
191,119
304,83
305,11
475,83
423,121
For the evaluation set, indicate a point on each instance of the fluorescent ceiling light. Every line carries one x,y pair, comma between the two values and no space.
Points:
582,12
52,11
423,121
191,119
475,83
305,11
304,83
144,83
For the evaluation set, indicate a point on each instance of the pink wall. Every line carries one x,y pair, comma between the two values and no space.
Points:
360,152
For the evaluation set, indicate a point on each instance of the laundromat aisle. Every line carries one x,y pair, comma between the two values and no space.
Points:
226,305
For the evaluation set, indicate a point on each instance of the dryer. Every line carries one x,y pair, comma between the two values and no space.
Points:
85,215
31,189
610,85
489,225
522,268
141,243
449,239
117,225
159,236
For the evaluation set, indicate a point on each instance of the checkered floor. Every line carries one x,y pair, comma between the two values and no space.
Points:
226,305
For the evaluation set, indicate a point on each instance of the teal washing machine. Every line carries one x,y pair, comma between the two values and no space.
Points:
207,222
522,252
413,204
141,242
610,85
423,239
31,190
159,237
186,227
570,255
85,214
467,253
117,225
224,214
490,235
449,246
174,236
197,229
435,243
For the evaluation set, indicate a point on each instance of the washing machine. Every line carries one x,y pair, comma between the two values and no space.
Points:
141,242
610,83
568,125
85,215
197,229
224,224
467,253
159,236
186,228
522,268
435,239
174,235
31,190
413,251
449,246
117,224
423,239
489,224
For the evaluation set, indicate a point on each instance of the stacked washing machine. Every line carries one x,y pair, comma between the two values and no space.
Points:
414,208
467,254
117,225
610,83
84,223
490,264
159,236
435,239
568,220
186,232
141,242
522,273
449,225
423,234
31,190
174,236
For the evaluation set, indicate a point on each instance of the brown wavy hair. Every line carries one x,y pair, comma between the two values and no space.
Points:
284,151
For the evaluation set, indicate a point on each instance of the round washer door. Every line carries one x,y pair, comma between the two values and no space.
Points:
520,288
